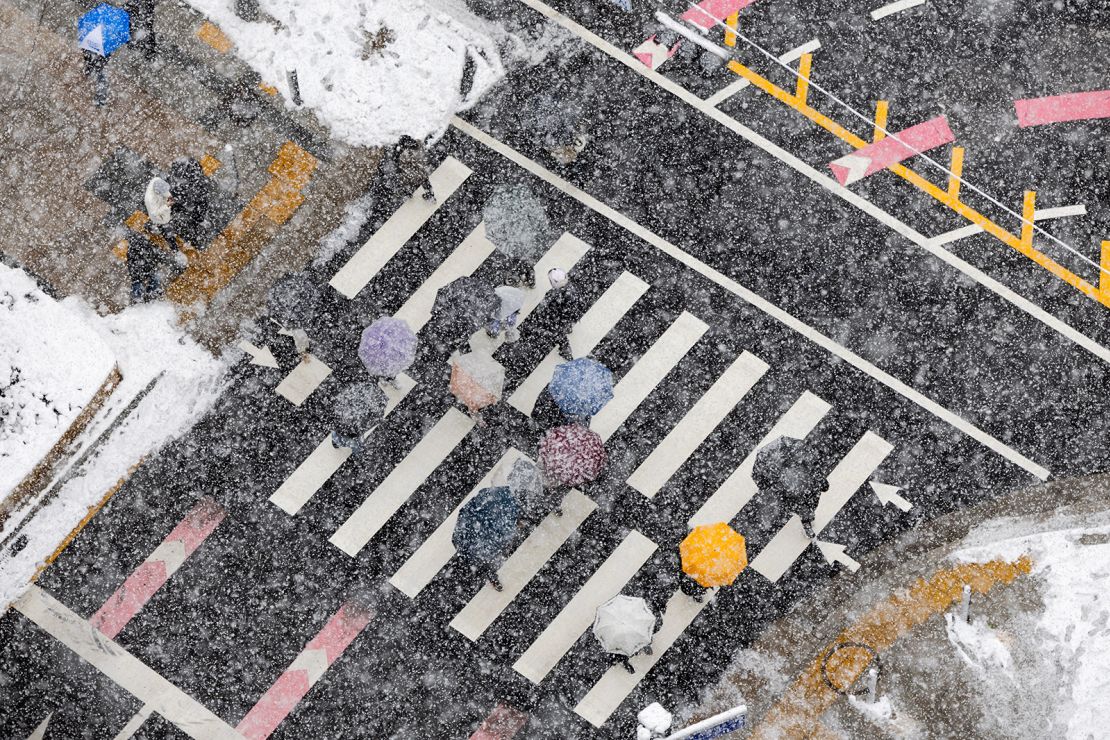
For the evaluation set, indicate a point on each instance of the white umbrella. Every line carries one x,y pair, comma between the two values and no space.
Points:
624,625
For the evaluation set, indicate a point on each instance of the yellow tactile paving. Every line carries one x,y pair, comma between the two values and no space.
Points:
211,34
244,238
210,165
268,89
948,196
797,714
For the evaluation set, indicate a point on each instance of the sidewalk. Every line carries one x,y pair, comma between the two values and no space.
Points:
76,173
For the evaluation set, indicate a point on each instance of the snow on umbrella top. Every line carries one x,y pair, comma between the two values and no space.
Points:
581,387
713,554
387,347
785,463
467,303
516,222
103,29
624,625
571,455
358,407
292,300
486,524
477,380
526,484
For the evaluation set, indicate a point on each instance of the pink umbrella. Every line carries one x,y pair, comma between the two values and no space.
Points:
571,455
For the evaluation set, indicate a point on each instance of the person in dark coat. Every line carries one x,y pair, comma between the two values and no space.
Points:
412,166
193,193
142,26
790,470
144,263
559,310
96,69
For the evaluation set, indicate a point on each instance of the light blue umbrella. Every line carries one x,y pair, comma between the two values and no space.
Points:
581,387
103,29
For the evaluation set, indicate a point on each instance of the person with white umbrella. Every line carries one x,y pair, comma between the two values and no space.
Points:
624,625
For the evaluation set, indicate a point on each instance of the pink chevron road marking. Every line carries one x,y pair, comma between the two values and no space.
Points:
652,53
709,12
153,573
1061,108
503,723
305,670
878,156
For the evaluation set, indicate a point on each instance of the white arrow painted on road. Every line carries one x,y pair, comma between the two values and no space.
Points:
259,356
835,553
40,731
854,168
888,494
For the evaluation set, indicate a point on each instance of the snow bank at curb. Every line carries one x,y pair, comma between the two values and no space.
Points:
372,70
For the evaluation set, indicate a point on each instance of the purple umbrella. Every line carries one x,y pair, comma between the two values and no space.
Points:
388,347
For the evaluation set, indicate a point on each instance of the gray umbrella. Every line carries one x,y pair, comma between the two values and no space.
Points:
787,465
293,299
526,485
359,407
516,222
465,304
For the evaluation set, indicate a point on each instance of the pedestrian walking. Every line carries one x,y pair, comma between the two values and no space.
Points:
508,311
158,200
412,166
100,32
142,26
144,263
96,70
192,195
561,301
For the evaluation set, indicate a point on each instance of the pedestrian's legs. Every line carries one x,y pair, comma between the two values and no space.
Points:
429,193
627,664
511,333
491,576
494,327
95,70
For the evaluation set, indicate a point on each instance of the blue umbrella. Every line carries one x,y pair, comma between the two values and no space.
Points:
104,29
486,524
581,387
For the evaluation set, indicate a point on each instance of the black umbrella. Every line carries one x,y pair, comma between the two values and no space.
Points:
358,407
486,524
787,465
293,300
466,304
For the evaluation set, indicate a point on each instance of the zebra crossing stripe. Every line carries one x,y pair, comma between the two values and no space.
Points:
648,372
302,380
698,423
391,494
431,557
523,565
577,616
462,261
309,476
617,683
731,496
401,226
306,669
159,566
584,336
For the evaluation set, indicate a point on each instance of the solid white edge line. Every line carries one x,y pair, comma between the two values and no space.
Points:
895,7
755,300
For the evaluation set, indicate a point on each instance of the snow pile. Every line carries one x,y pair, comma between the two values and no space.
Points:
372,70
148,341
52,363
978,645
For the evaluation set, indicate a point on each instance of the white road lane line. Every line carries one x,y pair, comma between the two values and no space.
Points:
392,493
584,336
130,673
698,423
731,496
616,684
787,319
134,723
302,380
462,261
523,565
401,226
40,731
791,56
779,554
849,475
1043,214
393,395
893,8
309,476
638,383
822,179
577,616
436,551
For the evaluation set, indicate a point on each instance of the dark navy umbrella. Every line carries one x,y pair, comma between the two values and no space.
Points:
103,29
486,524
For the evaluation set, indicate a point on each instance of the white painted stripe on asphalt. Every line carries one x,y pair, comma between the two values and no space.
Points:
791,56
1043,214
40,731
731,496
462,261
430,558
401,226
391,494
577,616
789,320
895,7
698,423
617,683
584,336
848,476
779,554
302,380
523,565
130,673
309,476
638,383
134,723
393,395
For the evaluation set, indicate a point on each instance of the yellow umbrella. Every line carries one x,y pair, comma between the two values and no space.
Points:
713,554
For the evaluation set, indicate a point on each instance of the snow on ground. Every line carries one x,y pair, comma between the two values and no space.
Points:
148,343
372,70
52,363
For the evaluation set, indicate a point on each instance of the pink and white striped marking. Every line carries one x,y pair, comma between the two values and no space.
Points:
876,157
503,723
153,573
305,670
1061,108
708,13
653,54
